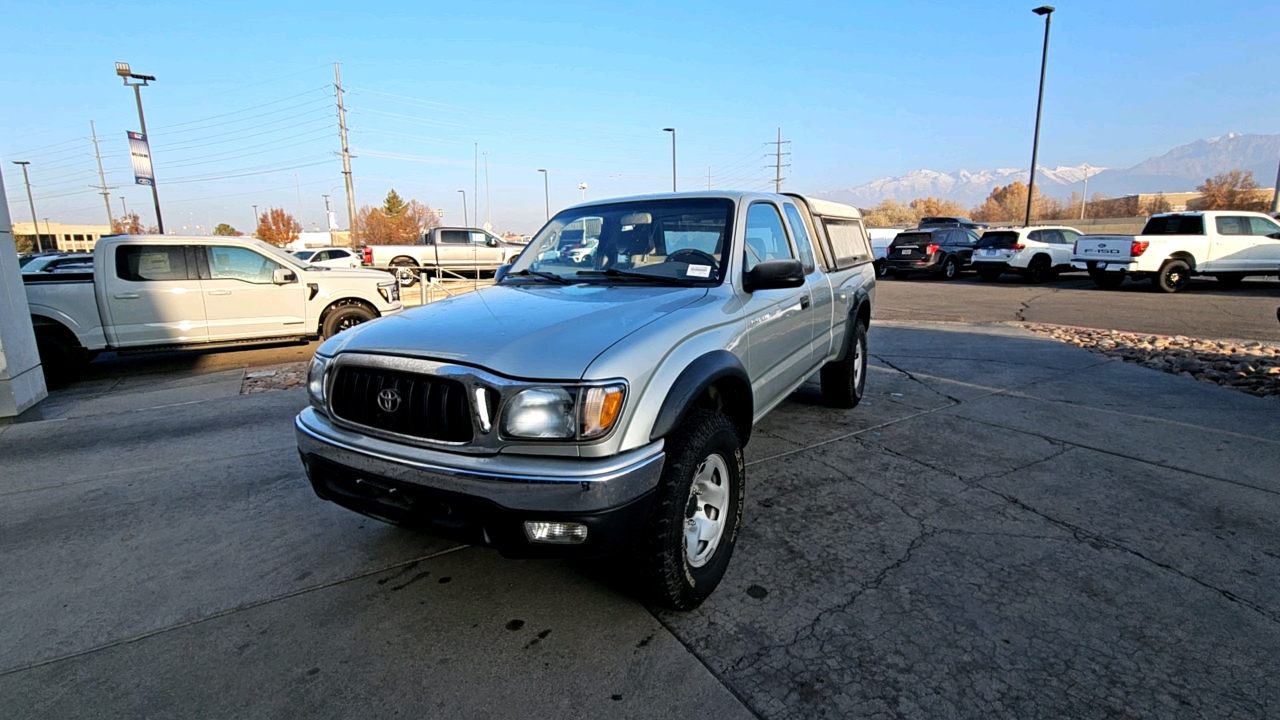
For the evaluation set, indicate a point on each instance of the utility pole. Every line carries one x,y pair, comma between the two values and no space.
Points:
475,184
777,161
546,191
122,69
102,177
1275,196
708,177
35,223
673,156
1047,12
488,207
256,221
346,158
465,221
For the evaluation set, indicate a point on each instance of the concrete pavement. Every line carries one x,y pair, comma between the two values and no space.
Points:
1007,526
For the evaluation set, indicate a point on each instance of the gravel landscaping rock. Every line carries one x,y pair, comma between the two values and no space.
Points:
274,377
1249,366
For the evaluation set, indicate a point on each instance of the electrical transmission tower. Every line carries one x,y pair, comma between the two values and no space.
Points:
777,161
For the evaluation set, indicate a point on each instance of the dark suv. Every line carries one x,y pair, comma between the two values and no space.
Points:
949,221
940,251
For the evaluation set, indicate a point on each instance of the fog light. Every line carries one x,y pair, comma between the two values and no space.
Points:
555,533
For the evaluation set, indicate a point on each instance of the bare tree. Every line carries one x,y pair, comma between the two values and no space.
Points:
129,224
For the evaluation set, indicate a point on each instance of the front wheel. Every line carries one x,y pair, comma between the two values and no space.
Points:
950,268
845,381
1174,276
693,525
346,317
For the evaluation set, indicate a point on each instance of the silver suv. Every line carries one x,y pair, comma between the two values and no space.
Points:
583,407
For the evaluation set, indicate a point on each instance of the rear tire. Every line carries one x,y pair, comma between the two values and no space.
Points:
698,501
61,358
1106,280
845,381
406,272
1174,276
345,317
882,268
1037,271
989,275
950,268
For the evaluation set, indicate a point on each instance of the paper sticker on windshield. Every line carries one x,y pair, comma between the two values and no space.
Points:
698,271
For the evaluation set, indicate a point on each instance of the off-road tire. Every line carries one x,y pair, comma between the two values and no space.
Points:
1174,276
845,381
669,579
950,268
990,275
406,273
1038,271
345,317
61,358
1106,280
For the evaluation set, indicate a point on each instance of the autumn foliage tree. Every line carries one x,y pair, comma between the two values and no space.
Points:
277,227
397,222
937,207
130,224
1235,190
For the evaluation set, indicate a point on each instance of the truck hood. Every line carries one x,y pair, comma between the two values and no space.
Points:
527,331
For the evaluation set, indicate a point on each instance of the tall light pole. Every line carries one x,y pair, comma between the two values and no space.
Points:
488,207
1084,199
673,156
546,191
35,223
123,207
256,221
465,221
583,187
122,69
1047,12
1275,202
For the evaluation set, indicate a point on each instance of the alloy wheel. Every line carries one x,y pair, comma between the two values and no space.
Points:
707,512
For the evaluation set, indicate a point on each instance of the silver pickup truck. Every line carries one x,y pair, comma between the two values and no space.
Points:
162,291
581,408
453,250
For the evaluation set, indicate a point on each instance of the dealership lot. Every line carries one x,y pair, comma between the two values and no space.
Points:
1008,526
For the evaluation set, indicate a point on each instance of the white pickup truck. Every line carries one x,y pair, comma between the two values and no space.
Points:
452,249
1228,245
154,291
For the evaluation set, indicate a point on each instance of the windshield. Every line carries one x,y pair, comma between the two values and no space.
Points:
667,240
304,254
286,257
998,238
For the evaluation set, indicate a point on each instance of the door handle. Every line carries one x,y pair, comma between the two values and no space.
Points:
126,296
804,302
219,292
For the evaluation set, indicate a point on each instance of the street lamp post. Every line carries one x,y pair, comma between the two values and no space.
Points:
35,224
122,69
1047,12
465,221
583,187
1275,203
1084,199
546,191
673,156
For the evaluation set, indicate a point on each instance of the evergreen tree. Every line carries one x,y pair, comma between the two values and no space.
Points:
393,205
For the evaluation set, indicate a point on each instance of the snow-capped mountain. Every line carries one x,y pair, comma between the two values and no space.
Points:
1180,169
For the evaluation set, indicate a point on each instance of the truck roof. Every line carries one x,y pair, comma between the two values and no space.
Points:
825,208
1213,213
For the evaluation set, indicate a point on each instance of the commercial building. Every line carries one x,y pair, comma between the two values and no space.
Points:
61,236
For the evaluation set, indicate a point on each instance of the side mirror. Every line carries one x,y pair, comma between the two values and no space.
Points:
1274,236
501,272
281,276
774,274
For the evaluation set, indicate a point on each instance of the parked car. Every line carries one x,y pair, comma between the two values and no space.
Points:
880,239
1228,245
940,251
56,262
1035,253
574,411
949,221
162,291
457,251
334,257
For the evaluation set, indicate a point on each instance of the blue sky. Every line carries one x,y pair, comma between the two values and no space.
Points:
862,90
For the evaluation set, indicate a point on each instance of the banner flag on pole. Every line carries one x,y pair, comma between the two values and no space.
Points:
140,153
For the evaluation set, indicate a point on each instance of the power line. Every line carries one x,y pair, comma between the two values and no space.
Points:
199,142
243,110
205,159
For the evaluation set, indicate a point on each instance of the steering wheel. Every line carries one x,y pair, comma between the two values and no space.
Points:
707,257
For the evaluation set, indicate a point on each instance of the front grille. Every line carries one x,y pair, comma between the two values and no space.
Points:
421,406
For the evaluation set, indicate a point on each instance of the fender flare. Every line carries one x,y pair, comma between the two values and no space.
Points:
697,377
860,310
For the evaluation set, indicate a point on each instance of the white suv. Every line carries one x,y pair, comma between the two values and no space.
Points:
1036,253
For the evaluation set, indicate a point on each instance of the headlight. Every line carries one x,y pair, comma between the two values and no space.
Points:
315,380
390,292
564,413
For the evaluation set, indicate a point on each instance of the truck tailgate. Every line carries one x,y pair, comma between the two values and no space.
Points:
1104,247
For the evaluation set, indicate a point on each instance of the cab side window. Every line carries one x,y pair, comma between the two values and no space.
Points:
151,263
1233,225
766,240
1262,226
237,263
798,231
849,242
455,237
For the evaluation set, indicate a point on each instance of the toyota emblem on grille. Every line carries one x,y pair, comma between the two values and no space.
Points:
389,400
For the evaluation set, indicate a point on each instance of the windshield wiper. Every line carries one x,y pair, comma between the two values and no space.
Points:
663,279
538,273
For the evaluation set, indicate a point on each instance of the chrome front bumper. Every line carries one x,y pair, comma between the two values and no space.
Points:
515,482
